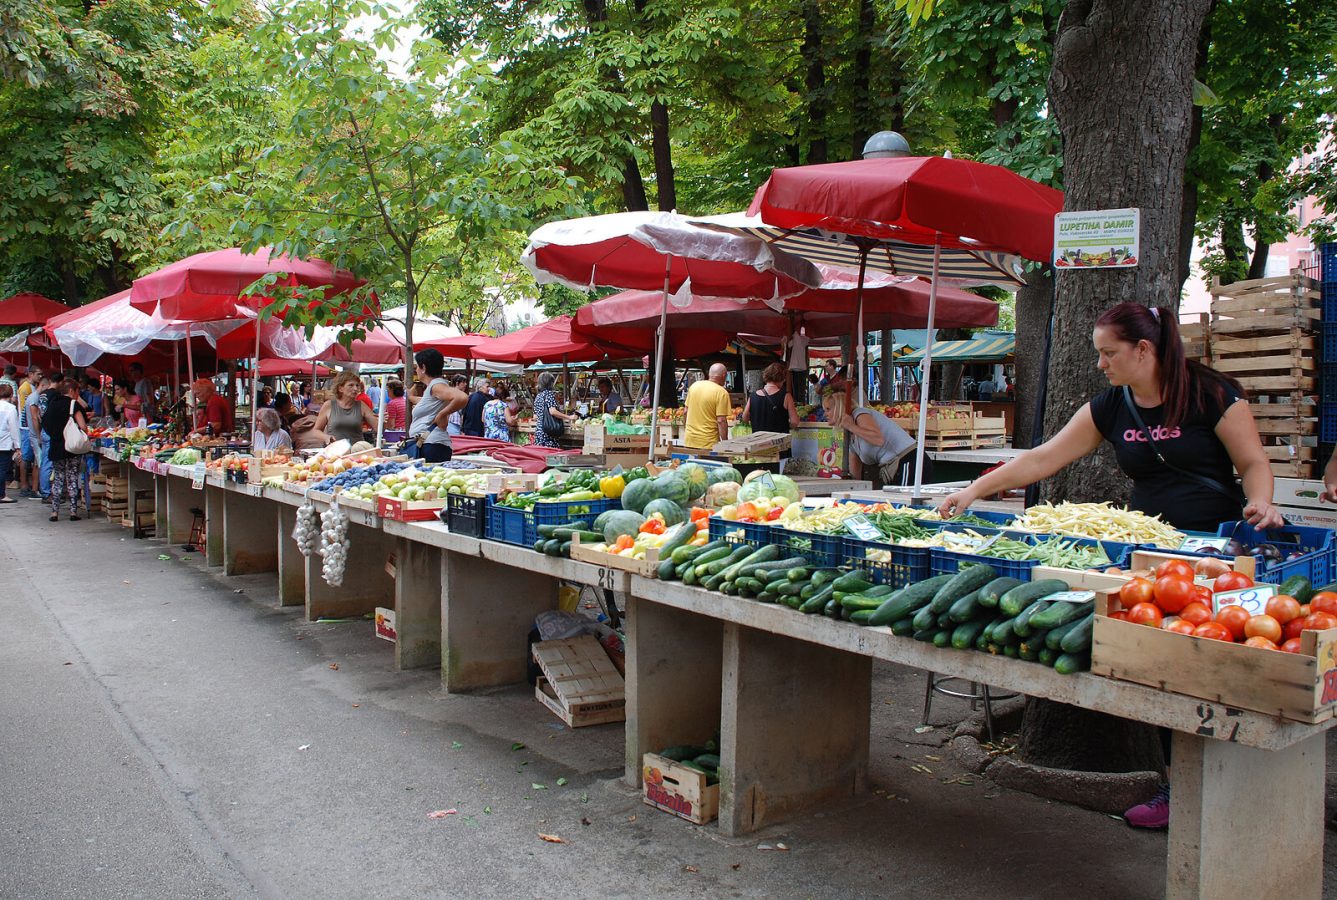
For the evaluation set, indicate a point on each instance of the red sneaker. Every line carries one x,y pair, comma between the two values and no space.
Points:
1154,814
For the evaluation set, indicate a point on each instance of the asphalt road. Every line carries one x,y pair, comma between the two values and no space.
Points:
168,732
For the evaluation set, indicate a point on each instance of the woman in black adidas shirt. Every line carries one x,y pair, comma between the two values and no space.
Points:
1200,431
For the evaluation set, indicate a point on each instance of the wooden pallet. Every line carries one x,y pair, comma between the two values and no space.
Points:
580,683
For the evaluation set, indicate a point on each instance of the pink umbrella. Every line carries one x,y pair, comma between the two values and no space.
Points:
29,309
556,341
275,368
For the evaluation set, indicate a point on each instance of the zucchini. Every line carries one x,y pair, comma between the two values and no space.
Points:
719,564
1054,639
1070,663
666,571
799,573
678,537
967,633
729,567
708,760
860,616
903,628
966,581
749,563
564,549
852,582
1061,614
538,545
925,619
1022,623
943,638
546,531
809,589
689,577
925,634
684,554
1078,640
990,593
908,600
1022,596
784,565
822,576
832,608
861,601
709,556
682,752
750,586
965,609
817,601
552,546
1297,586
1047,657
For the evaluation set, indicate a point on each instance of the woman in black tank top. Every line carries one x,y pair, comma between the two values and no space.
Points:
772,407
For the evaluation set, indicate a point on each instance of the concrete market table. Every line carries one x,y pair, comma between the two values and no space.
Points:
698,660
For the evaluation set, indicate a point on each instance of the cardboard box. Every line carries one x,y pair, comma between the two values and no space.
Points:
385,624
598,440
1298,500
676,789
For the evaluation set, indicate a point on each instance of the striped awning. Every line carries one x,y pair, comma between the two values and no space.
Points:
988,348
963,267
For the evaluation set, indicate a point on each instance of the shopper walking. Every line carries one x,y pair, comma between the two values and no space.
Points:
549,420
498,419
471,422
48,387
11,443
65,465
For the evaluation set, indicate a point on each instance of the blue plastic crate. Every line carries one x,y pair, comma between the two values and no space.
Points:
1328,261
904,565
752,533
1328,344
1315,544
1327,424
511,526
560,512
1001,520
821,549
1329,295
949,562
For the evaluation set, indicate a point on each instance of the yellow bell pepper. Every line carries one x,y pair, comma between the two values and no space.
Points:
612,486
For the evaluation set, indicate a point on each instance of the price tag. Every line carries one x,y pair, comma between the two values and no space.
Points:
1254,599
1198,544
1072,596
859,526
766,481
197,475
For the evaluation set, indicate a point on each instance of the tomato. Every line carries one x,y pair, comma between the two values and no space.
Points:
1203,594
1261,643
1304,610
1319,621
1283,608
1323,601
1121,615
1213,631
1178,625
1139,590
1178,568
1145,614
1293,628
1291,645
1196,613
1263,626
1234,617
1231,581
1173,593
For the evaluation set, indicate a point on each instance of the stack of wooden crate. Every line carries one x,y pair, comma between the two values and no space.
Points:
115,496
141,517
1264,332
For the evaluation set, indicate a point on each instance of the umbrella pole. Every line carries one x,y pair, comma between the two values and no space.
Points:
255,380
190,367
659,356
380,413
924,374
858,348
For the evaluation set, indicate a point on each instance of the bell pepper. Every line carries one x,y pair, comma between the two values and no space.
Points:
775,513
612,486
623,542
636,474
652,525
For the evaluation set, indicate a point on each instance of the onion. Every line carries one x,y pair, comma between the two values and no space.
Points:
1210,567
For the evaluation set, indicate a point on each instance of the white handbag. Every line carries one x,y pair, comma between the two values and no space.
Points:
76,441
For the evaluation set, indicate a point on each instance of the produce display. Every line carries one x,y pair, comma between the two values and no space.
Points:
405,481
1179,596
1102,521
619,538
333,544
318,468
581,484
306,533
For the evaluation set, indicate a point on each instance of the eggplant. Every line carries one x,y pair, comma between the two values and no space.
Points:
1235,548
1268,552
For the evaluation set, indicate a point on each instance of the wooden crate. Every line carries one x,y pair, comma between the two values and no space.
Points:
758,443
646,567
580,683
1297,686
674,788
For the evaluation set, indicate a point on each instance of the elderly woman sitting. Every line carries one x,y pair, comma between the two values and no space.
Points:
269,433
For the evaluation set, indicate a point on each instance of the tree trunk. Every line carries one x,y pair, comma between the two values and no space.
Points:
1121,90
1034,302
1188,219
815,81
664,179
633,186
1233,249
861,109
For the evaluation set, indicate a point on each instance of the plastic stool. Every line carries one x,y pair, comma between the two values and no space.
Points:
979,693
196,530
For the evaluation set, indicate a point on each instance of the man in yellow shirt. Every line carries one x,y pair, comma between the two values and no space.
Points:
708,408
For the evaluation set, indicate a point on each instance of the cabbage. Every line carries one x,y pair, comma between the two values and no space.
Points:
780,486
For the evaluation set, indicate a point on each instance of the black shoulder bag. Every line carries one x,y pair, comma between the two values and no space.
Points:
1233,491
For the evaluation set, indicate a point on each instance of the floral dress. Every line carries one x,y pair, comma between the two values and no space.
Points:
494,421
545,401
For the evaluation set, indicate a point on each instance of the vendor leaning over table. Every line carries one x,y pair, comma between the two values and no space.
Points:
878,446
1199,427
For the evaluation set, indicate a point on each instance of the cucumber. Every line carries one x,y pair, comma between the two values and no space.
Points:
1029,651
789,589
728,588
783,565
822,576
552,546
845,614
563,533
767,597
1078,640
852,582
809,589
1054,639
684,554
1022,623
966,608
689,577
817,601
799,573
903,628
925,634
564,549
1022,596
1047,657
924,619
1002,633
546,531
861,616
967,633
990,593
879,591
832,608
1061,614
678,536
1297,586
538,545
682,752
943,638
709,556
982,642
708,760
665,571
791,602
749,563
966,581
1011,651
715,566
1070,663
861,601
750,586
909,600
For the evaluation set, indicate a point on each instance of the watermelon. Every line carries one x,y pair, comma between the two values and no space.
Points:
638,493
620,522
716,474
671,486
696,477
673,513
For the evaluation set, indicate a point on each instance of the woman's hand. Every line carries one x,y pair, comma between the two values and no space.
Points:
1263,515
957,502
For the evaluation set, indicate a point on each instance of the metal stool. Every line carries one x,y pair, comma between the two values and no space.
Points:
196,531
979,693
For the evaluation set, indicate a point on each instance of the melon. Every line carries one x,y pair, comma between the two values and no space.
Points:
620,522
696,477
673,513
716,474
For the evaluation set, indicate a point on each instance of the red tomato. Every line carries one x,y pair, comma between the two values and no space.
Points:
1323,601
1293,628
1261,643
1196,613
1234,618
1283,608
1319,621
1213,631
1175,567
1231,581
1121,615
1291,645
1304,610
1178,626
1173,593
1139,590
1203,594
1145,614
1264,627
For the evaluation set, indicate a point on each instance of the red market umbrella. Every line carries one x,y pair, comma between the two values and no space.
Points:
555,341
931,201
29,309
461,347
278,368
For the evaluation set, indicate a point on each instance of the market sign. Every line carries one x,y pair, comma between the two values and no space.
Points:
1254,599
1097,238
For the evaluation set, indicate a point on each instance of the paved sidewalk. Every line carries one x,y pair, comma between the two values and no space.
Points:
168,732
